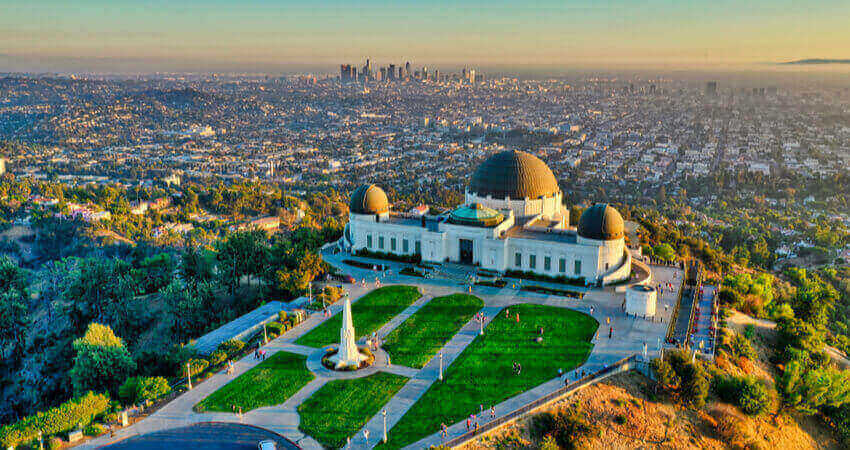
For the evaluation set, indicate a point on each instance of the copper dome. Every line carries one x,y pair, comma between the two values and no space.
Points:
514,174
601,222
368,199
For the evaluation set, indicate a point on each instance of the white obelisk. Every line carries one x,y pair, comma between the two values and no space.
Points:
347,356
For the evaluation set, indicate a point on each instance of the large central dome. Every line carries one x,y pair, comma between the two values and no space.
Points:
514,174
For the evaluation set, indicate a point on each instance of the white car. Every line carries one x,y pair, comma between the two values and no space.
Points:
266,445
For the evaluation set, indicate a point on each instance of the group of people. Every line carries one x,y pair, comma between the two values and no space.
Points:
259,353
517,368
471,421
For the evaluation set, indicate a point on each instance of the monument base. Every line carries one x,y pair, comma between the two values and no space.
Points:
361,359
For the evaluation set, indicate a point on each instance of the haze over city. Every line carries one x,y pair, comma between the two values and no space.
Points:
287,36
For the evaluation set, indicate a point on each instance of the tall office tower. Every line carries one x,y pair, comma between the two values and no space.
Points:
353,73
472,76
463,74
401,73
343,72
424,73
437,75
406,69
383,73
368,68
391,72
711,88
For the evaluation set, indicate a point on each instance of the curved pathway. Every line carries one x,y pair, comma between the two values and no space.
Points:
631,336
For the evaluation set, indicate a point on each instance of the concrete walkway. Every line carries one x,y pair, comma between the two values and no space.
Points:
630,335
416,388
179,413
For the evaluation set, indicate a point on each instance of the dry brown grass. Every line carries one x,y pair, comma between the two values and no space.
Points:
625,416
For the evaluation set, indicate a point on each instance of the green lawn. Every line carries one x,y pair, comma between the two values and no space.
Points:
342,407
269,383
483,373
422,335
370,313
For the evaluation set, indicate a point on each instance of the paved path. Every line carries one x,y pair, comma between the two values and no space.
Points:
416,388
179,413
631,335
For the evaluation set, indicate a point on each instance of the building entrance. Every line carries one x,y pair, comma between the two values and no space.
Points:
466,256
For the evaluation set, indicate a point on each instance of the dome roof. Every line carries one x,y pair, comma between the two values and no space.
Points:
368,199
514,174
601,222
476,215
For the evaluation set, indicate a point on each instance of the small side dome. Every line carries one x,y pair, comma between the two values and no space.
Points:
369,199
601,222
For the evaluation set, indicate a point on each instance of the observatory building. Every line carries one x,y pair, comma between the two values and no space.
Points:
513,219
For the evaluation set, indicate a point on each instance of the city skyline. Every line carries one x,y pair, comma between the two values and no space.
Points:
264,36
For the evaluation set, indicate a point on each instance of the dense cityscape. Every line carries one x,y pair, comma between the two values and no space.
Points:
166,207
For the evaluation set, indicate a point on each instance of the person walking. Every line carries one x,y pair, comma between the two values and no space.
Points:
468,422
492,411
610,332
444,431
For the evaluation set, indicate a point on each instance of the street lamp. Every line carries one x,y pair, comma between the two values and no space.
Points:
481,325
440,376
265,336
384,413
189,374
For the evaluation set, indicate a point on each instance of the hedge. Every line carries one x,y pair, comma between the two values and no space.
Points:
217,357
65,417
196,366
138,389
231,347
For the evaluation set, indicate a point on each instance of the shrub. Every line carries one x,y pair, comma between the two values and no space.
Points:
281,315
747,393
274,327
740,346
566,426
55,443
60,419
231,347
664,373
549,443
217,357
139,389
94,429
195,366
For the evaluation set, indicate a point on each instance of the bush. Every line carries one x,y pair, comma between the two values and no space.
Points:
196,366
217,357
60,419
747,393
231,347
140,389
55,443
274,327
664,373
94,429
740,346
281,316
566,426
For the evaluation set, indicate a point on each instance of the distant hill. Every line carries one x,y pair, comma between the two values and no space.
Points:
818,61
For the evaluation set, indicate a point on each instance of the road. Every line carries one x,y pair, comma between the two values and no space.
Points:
209,435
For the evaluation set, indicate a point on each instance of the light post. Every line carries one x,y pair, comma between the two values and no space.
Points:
481,325
265,336
384,413
440,376
189,374
40,441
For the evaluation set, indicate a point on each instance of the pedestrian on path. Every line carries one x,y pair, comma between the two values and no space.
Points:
610,332
444,431
507,313
492,412
468,422
517,317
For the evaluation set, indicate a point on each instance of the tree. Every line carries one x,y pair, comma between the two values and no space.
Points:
14,307
664,252
102,361
242,253
139,389
196,266
807,390
664,374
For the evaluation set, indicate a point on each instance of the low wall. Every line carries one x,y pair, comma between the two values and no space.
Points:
239,328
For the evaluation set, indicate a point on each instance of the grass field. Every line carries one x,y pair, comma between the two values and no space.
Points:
342,407
269,383
422,335
483,373
370,313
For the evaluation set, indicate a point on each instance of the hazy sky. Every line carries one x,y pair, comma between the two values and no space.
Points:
267,35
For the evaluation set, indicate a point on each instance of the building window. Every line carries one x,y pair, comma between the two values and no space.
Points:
392,244
418,248
606,266
547,263
578,267
562,265
369,240
532,261
518,260
381,242
405,247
